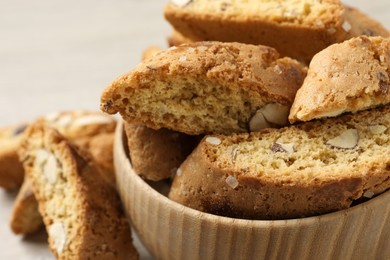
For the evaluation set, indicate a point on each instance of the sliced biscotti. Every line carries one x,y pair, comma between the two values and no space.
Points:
79,124
302,170
88,130
205,87
346,77
81,211
297,29
156,154
11,171
25,218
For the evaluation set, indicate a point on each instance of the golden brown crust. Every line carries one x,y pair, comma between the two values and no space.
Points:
79,124
204,87
156,154
249,176
346,77
11,171
25,218
299,33
150,51
176,39
362,24
88,219
101,148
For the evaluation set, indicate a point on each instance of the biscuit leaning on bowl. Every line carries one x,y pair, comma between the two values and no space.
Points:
298,29
345,77
297,171
207,87
156,154
88,130
11,171
81,211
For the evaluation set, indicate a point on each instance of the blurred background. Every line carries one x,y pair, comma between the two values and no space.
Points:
59,55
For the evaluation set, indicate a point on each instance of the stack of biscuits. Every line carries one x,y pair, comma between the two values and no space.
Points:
63,165
262,109
259,109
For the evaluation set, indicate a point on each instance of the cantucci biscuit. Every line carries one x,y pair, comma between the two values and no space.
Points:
81,212
156,154
207,87
11,171
345,77
296,28
93,131
302,170
25,218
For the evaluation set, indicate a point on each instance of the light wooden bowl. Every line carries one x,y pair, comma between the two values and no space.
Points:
172,231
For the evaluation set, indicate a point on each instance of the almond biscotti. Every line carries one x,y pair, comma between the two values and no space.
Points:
156,154
206,87
92,131
81,211
79,126
297,171
346,77
296,28
25,218
11,171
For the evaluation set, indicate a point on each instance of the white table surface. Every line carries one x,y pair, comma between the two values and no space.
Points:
60,55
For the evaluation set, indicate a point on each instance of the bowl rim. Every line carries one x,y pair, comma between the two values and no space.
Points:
119,146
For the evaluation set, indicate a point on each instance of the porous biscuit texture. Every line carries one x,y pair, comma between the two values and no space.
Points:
298,171
345,77
296,28
204,87
81,212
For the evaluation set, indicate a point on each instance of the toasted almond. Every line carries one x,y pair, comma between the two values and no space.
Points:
368,194
213,140
276,113
232,181
181,3
57,233
282,147
51,169
377,129
346,140
346,26
258,122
